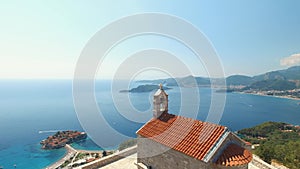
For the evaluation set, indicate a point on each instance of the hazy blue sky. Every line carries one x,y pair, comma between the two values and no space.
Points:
43,39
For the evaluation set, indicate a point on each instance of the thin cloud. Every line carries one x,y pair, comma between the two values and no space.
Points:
290,60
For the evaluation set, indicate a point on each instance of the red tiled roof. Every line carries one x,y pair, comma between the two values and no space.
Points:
234,155
248,143
186,135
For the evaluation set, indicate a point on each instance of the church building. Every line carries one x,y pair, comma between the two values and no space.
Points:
169,141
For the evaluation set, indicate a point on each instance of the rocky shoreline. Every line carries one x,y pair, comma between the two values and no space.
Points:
61,139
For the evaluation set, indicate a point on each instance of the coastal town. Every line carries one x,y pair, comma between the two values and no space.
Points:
290,94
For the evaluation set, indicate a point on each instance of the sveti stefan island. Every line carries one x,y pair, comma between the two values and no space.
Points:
150,84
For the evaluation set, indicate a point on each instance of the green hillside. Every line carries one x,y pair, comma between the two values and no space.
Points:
277,141
144,88
239,80
275,84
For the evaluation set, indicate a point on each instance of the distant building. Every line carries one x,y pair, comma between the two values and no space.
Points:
168,141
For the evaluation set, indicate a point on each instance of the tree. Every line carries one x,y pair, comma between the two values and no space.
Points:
104,153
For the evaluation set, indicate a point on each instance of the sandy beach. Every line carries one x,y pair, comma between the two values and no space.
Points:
283,97
70,152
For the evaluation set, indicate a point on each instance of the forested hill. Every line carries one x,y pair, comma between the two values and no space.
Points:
144,88
286,79
277,141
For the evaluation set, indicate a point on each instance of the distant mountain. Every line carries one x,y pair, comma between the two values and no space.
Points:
274,75
143,88
272,84
274,80
239,80
188,81
191,81
286,79
165,82
292,73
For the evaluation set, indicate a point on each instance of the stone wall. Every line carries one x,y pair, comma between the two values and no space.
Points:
261,164
159,156
110,159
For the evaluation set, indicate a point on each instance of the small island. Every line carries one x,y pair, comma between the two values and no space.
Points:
61,138
143,88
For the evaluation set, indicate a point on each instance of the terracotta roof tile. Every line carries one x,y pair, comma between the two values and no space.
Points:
234,155
186,135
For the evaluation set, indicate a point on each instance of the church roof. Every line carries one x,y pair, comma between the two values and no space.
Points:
186,135
159,91
189,136
234,155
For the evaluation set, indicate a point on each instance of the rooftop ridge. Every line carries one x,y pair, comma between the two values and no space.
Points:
216,146
189,118
195,137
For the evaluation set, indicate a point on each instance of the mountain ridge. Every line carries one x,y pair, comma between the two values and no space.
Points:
285,79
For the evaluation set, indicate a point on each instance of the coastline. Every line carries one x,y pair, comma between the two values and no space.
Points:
70,152
259,94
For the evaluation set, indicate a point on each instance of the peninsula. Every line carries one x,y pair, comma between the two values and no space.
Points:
61,138
143,88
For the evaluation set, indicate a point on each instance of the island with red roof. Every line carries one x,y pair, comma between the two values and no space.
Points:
61,138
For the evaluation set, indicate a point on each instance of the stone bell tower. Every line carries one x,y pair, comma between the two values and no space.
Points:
160,102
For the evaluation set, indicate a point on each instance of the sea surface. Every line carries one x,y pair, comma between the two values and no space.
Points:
31,110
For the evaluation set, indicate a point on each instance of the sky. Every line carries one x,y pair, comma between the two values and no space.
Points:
44,39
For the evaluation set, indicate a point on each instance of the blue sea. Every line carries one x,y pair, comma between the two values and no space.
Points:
30,106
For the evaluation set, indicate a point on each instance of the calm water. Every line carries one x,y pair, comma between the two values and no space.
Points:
30,106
